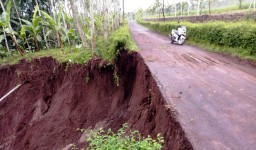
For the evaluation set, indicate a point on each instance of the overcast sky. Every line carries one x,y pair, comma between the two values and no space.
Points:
133,5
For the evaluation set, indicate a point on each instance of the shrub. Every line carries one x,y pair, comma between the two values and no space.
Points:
119,39
123,140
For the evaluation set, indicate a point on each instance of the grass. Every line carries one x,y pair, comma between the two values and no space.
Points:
237,52
106,49
66,54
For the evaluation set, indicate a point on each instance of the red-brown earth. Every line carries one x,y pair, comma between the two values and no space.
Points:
58,98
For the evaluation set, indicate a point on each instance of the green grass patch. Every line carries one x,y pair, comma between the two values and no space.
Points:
235,38
67,54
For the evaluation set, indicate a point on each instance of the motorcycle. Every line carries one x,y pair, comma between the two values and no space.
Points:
178,36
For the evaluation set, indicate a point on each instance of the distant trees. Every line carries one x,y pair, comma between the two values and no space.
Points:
194,7
240,4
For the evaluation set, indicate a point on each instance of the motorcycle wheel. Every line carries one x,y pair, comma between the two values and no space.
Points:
181,41
171,39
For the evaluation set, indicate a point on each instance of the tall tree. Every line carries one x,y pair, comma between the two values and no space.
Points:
240,4
198,7
105,18
92,25
163,11
77,22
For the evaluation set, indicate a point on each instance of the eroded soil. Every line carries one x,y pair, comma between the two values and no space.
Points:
59,98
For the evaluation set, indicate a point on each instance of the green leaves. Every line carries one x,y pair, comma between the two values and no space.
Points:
8,13
39,38
35,13
50,21
124,139
2,37
10,31
23,33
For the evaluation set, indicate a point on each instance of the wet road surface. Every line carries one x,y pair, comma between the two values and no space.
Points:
214,96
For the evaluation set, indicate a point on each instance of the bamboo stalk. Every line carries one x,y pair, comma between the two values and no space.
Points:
10,92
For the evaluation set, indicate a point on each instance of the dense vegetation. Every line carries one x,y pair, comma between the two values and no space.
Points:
106,49
241,36
55,28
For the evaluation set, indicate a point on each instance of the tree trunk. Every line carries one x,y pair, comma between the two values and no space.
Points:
188,9
59,38
105,19
18,47
181,10
198,7
36,44
163,11
78,24
92,24
123,11
53,10
209,3
175,11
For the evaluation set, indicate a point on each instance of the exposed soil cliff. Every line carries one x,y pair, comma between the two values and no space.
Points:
59,98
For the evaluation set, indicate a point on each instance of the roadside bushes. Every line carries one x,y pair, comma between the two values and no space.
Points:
231,34
119,39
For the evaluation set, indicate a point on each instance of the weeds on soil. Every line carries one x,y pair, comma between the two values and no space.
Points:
124,139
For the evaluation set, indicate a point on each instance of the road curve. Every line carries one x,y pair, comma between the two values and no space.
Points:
214,96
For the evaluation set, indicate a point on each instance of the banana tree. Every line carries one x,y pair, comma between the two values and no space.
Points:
55,26
5,23
34,29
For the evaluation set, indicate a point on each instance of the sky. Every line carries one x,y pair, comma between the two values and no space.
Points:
133,5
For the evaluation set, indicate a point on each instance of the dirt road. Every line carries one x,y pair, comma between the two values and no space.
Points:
214,96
